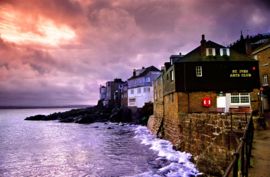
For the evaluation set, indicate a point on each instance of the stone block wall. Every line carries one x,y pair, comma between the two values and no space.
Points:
206,136
255,100
195,99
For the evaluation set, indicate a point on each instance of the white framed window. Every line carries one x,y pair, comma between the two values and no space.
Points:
138,90
210,52
198,71
131,91
265,80
240,98
171,72
146,89
224,52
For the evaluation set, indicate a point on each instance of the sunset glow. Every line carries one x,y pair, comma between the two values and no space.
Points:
45,32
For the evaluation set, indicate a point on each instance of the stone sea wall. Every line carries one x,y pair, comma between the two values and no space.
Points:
208,137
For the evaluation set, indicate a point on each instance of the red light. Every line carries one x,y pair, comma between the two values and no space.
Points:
253,68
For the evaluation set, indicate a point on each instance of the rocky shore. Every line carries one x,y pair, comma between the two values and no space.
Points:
99,113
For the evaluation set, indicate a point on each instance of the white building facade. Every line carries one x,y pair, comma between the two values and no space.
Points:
140,90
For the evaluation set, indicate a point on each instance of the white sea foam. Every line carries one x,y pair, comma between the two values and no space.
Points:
180,164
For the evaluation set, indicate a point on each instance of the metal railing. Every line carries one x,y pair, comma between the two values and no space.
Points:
243,152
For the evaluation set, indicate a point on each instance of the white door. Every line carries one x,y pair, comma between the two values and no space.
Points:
221,102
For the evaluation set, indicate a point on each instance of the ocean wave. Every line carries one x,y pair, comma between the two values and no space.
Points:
180,165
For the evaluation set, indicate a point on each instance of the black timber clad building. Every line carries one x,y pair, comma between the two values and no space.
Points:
221,70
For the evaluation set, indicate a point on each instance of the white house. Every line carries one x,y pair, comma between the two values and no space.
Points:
140,89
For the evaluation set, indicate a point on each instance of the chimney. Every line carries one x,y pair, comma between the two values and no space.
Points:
162,68
134,72
203,47
143,67
248,46
241,37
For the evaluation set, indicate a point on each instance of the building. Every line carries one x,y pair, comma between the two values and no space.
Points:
158,95
124,95
247,45
262,54
102,92
210,76
112,93
140,89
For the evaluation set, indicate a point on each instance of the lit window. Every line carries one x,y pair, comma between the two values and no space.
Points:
210,52
224,52
198,71
265,80
171,72
238,98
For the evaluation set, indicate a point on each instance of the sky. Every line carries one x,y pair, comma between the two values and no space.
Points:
58,52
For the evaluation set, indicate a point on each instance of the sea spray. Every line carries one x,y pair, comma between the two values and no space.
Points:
180,161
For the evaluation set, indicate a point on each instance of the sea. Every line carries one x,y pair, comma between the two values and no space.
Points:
51,148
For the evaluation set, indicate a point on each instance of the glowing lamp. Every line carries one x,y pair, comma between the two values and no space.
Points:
253,68
207,102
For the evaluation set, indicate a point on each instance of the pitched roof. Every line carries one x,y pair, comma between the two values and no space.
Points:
195,55
262,47
150,68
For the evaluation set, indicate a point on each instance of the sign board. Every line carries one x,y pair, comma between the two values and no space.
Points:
261,89
207,102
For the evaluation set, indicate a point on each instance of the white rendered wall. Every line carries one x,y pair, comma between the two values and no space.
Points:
140,98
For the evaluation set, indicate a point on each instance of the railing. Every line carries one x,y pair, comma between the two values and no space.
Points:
243,152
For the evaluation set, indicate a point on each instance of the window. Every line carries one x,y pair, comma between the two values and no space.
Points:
238,98
160,94
135,81
171,73
144,79
156,95
146,89
210,52
139,90
147,79
125,95
131,91
265,80
140,80
198,71
224,52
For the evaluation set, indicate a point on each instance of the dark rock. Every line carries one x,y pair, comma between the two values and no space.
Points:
109,128
37,117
